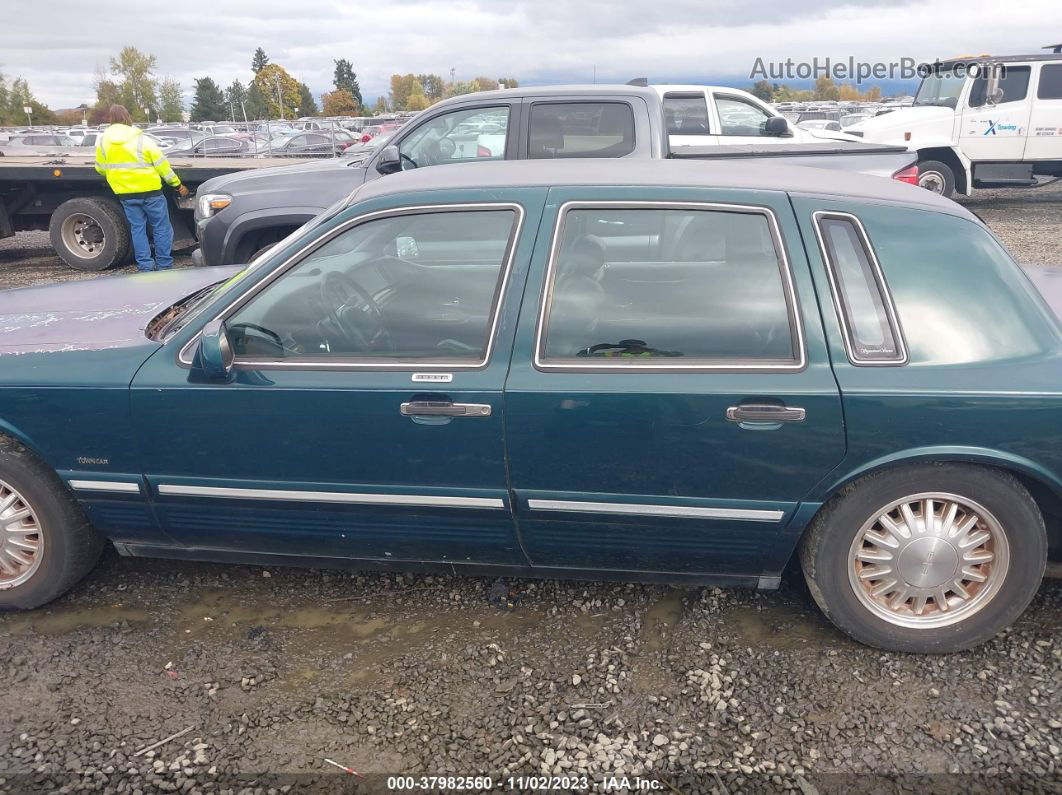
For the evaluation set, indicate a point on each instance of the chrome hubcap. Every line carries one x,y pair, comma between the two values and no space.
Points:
21,539
83,236
928,560
932,181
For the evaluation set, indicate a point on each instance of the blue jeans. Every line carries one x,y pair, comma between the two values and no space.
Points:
141,212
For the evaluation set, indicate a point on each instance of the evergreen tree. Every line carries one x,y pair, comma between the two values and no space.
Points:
255,104
346,80
260,60
307,104
208,103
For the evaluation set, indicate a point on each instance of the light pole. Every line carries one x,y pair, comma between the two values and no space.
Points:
280,98
28,109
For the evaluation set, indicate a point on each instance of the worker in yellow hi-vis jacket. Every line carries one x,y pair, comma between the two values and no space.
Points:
135,166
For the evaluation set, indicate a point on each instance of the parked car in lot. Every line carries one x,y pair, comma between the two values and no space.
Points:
681,372
312,144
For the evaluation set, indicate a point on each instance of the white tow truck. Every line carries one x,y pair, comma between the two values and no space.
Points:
981,122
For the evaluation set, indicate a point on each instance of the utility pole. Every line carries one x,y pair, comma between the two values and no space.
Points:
29,114
280,98
452,70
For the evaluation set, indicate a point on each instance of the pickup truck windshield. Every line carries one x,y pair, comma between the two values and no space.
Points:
941,89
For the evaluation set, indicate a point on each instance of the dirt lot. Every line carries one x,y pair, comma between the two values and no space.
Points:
269,672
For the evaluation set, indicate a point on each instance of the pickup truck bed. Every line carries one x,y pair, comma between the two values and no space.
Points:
876,159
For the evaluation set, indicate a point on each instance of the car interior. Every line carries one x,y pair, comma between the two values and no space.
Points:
418,286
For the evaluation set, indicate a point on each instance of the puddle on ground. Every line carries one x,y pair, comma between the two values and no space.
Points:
784,628
662,618
60,621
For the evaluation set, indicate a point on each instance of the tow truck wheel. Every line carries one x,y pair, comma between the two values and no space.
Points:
936,177
90,234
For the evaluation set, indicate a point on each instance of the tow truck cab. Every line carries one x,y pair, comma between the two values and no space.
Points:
981,122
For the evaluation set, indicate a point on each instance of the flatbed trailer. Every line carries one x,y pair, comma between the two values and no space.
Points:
64,195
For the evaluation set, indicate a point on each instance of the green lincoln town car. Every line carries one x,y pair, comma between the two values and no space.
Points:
695,373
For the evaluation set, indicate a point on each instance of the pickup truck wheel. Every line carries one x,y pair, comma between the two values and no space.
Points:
90,234
46,543
930,558
936,177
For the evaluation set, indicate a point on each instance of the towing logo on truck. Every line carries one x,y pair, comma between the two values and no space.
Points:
995,126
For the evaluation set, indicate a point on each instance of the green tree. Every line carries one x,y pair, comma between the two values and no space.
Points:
345,79
260,61
434,87
279,90
307,104
763,90
401,86
340,103
380,106
236,99
18,96
136,82
171,100
485,84
416,100
508,82
256,105
208,104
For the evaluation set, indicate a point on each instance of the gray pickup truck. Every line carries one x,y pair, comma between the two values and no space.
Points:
241,214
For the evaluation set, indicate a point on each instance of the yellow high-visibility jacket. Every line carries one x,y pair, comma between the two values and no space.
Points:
132,162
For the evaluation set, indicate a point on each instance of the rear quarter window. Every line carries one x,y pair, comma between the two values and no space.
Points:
959,296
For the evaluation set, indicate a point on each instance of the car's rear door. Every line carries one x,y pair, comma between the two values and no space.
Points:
668,409
364,418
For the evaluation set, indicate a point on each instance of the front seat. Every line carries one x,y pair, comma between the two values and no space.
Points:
578,297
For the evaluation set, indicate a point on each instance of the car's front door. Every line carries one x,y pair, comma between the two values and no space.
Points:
668,407
1045,123
363,417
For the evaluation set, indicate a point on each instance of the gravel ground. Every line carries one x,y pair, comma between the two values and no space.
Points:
269,672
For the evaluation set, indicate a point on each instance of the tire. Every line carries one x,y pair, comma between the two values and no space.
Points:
90,234
67,546
936,177
841,580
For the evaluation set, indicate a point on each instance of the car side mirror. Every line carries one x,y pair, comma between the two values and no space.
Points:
390,161
777,125
215,354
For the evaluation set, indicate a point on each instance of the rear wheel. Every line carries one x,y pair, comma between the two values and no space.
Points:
46,544
932,558
90,234
936,177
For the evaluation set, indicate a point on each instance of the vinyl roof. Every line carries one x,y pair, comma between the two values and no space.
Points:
744,175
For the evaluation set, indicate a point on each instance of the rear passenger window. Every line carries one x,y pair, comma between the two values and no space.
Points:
1050,82
868,320
691,288
580,129
686,114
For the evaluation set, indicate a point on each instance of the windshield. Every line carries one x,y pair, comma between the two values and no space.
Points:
941,89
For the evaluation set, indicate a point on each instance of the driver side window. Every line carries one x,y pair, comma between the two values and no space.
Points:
408,288
458,137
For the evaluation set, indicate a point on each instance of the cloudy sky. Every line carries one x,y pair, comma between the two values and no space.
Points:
58,46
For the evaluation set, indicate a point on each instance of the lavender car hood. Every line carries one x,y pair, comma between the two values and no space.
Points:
95,314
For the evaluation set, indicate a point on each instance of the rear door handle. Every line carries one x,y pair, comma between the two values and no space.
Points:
444,408
765,412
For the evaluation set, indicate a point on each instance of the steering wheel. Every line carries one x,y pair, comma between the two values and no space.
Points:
355,314
269,334
403,156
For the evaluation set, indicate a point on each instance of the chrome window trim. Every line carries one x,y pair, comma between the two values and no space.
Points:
796,326
642,509
186,356
883,290
341,497
105,485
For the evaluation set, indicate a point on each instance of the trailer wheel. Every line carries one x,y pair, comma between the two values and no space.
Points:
936,177
90,234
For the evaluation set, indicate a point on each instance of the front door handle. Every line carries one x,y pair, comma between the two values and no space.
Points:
765,412
444,408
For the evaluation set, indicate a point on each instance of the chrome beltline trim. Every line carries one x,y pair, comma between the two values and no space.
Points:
423,500
637,509
105,485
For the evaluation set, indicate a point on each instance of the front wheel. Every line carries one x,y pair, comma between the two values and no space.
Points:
936,177
930,558
46,543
